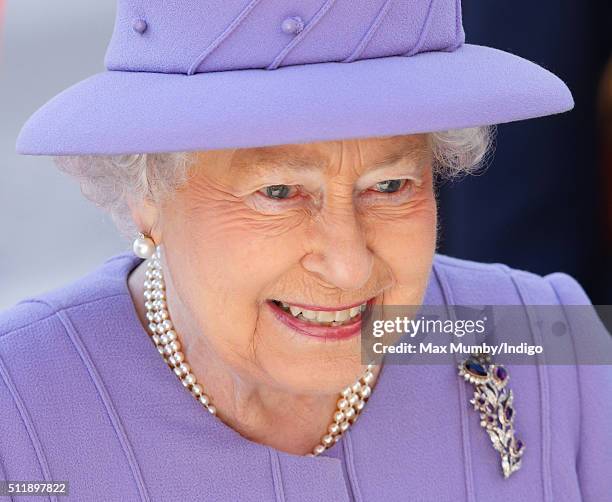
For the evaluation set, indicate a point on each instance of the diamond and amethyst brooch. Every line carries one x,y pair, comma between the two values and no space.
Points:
493,400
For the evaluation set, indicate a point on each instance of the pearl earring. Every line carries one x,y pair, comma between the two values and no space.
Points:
144,247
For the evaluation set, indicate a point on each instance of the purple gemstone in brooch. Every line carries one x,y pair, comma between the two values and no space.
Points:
493,400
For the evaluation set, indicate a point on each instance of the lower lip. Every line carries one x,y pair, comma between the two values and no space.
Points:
343,332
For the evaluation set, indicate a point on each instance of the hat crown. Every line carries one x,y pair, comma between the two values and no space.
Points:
198,36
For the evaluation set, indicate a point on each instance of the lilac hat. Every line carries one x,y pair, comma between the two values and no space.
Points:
205,74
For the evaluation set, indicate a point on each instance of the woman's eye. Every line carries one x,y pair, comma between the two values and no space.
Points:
279,191
389,186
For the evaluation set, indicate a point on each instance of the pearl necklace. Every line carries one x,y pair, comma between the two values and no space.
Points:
351,400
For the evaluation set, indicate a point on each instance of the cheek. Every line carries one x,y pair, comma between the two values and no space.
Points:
234,256
247,249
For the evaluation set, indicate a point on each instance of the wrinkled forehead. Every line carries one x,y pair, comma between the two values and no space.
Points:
365,153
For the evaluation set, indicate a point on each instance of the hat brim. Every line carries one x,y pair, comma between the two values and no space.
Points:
136,112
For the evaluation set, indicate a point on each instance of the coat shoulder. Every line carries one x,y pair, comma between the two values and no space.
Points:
106,280
469,282
35,347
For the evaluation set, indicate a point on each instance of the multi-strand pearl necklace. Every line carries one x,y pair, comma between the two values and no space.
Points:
351,400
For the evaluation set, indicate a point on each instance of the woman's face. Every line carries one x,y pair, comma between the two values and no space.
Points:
320,227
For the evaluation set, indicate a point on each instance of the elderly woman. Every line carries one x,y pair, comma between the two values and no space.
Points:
276,167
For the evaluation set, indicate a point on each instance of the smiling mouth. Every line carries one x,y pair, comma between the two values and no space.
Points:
321,316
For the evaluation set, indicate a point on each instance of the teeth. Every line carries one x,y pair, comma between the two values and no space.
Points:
309,314
342,315
324,316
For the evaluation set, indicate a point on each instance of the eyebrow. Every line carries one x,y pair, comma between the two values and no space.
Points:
415,159
272,163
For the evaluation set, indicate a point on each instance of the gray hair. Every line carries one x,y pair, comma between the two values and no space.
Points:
109,180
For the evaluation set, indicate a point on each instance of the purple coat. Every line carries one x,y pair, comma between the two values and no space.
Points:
85,397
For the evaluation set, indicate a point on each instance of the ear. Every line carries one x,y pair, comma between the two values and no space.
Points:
146,216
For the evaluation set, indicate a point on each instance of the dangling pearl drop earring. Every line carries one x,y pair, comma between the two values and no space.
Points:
143,246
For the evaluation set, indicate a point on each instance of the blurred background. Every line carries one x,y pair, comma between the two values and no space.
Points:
49,233
544,204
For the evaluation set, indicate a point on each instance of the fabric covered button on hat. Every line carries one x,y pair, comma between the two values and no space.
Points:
292,25
139,26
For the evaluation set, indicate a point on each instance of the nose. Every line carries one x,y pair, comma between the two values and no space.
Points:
339,252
